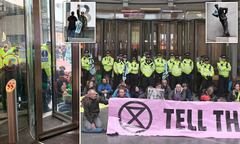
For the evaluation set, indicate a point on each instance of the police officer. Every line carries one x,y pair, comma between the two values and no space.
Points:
86,68
46,74
207,72
118,68
224,69
134,73
107,63
159,64
170,65
199,78
9,71
187,66
176,72
147,68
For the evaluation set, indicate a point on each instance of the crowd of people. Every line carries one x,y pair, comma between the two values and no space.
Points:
123,78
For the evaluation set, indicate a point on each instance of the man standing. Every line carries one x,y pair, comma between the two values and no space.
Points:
159,64
84,21
221,13
147,69
170,65
71,25
107,63
187,68
207,72
86,67
224,69
176,72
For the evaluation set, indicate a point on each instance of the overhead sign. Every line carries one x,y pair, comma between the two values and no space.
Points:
147,117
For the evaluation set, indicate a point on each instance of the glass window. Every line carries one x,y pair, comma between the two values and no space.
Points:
135,39
122,36
12,63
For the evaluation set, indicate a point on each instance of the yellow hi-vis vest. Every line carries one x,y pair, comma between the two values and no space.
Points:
1,62
238,97
159,64
170,64
10,59
147,69
176,68
120,67
86,63
107,63
207,70
46,59
224,68
134,67
199,66
187,66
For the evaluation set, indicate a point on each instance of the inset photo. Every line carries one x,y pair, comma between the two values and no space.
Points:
221,22
80,22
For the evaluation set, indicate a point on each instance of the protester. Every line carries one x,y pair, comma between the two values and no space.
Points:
189,95
167,89
208,95
122,93
235,96
137,92
178,94
90,85
104,89
121,86
90,102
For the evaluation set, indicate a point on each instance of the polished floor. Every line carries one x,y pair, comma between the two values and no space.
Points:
102,138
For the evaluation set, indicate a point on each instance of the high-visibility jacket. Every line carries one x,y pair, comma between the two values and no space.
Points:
86,63
10,59
224,68
170,64
207,70
199,66
107,63
176,68
134,67
118,67
46,59
159,64
147,69
187,66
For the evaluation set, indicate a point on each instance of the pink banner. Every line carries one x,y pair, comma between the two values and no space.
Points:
147,117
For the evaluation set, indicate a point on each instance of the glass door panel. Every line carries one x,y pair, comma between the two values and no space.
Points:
135,39
122,36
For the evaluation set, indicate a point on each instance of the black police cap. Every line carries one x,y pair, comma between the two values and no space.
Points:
187,54
206,59
86,51
223,56
171,54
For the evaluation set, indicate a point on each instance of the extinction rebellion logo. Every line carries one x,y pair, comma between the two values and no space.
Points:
135,117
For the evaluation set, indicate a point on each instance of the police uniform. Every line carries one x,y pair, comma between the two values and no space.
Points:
187,66
207,72
199,77
118,68
176,72
9,71
107,63
224,69
170,65
133,73
159,67
46,75
85,61
147,68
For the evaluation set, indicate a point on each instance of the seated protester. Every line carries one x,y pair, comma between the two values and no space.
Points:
121,93
189,95
104,89
160,91
167,89
60,81
235,96
208,95
65,106
178,94
136,92
90,85
90,103
121,86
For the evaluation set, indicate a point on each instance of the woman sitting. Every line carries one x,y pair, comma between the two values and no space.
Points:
178,94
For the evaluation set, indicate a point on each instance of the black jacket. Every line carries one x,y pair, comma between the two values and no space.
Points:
91,107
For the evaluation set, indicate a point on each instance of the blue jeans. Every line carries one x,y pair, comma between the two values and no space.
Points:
71,33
